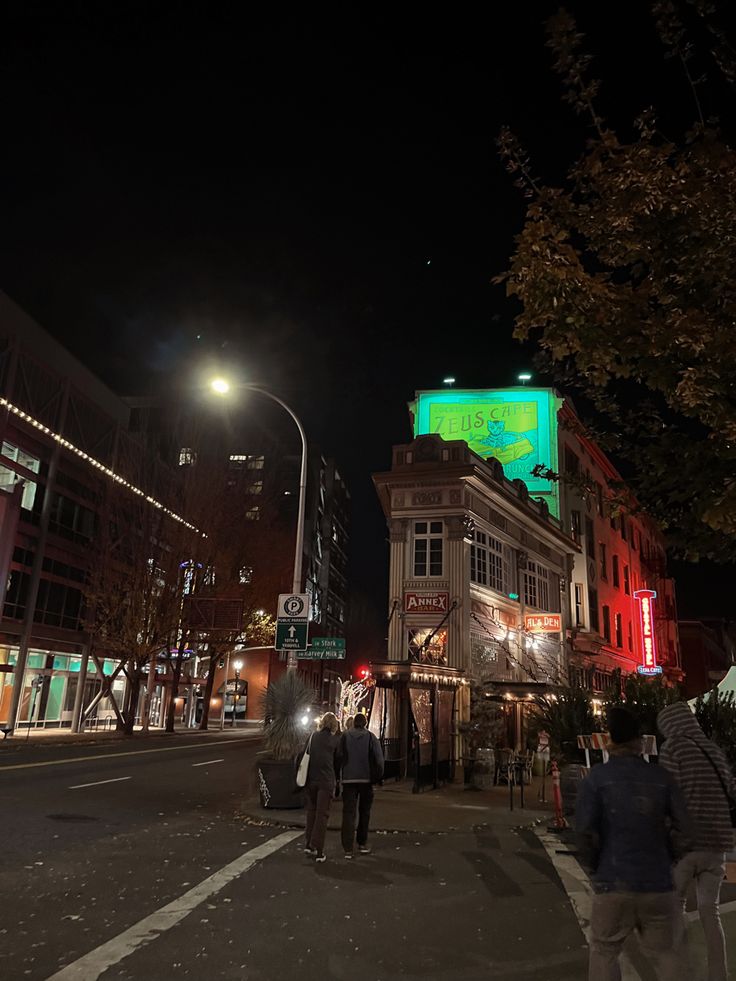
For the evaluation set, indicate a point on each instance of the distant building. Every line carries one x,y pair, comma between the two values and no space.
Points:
708,652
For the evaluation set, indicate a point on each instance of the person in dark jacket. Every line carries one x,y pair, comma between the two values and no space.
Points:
323,773
362,766
631,821
704,776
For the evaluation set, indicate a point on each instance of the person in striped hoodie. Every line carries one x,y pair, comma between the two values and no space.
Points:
705,778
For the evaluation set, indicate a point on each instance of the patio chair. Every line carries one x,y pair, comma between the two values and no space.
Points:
505,766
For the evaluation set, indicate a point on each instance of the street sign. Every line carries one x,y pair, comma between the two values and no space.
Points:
291,636
292,622
325,647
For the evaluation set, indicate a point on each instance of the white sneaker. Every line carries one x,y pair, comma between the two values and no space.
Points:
364,849
321,858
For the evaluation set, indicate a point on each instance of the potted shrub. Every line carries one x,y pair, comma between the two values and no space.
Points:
285,702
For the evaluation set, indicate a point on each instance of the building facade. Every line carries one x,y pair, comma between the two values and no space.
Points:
478,593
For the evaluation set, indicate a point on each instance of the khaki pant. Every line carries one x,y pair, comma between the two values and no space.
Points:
317,800
706,870
657,920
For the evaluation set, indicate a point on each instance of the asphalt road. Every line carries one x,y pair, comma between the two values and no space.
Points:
157,874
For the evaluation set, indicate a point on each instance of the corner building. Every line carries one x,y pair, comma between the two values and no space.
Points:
474,563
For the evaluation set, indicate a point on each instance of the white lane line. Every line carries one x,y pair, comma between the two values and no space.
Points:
132,752
580,893
207,763
96,962
78,786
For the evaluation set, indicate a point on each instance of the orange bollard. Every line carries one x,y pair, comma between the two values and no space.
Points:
560,821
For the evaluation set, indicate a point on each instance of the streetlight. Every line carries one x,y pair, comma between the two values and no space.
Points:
524,377
449,381
237,665
221,386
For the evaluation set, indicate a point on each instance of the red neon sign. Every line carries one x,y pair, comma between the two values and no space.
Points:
646,598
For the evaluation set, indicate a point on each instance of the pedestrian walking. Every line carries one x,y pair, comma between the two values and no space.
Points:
631,823
324,771
362,766
706,781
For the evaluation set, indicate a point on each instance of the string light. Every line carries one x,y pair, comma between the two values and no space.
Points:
97,465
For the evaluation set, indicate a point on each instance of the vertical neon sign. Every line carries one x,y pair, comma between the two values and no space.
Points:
646,598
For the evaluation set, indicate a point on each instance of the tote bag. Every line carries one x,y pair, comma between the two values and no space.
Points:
301,773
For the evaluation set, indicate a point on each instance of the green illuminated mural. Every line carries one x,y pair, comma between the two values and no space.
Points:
518,426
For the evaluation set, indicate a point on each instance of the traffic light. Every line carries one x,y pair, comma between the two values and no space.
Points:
364,673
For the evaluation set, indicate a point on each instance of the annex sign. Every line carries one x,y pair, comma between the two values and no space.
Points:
426,602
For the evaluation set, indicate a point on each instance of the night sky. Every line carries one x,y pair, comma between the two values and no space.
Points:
318,199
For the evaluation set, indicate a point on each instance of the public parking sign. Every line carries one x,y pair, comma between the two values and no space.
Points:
325,647
292,622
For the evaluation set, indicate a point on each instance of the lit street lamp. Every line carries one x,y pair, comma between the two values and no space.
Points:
221,386
237,665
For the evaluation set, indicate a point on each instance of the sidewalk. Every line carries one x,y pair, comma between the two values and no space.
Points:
450,808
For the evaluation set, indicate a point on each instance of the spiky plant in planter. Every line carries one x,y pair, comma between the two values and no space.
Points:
284,703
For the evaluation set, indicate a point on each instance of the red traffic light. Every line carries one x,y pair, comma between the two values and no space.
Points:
364,672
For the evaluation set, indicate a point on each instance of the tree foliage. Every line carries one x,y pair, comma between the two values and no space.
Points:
716,714
565,716
626,278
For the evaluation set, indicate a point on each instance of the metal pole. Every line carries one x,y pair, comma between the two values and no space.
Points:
291,663
224,691
79,694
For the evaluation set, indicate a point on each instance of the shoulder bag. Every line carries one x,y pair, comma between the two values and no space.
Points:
302,772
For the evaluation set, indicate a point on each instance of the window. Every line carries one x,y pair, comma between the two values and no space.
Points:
627,581
71,520
622,521
619,630
579,605
428,546
246,461
632,539
630,637
479,559
575,526
187,456
245,574
604,562
428,645
8,477
572,463
607,623
616,572
589,539
489,564
599,500
58,605
536,586
256,487
593,609
253,514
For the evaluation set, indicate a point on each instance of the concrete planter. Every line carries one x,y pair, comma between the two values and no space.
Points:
277,785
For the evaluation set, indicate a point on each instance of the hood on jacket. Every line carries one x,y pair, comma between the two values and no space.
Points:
678,720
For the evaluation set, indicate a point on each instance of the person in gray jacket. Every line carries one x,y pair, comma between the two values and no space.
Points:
704,776
362,766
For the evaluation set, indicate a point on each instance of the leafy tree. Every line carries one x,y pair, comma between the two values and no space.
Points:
565,716
626,278
716,714
645,697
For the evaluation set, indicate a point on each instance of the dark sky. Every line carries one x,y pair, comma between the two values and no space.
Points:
318,198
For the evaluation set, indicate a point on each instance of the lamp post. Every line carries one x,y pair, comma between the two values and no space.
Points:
221,387
237,665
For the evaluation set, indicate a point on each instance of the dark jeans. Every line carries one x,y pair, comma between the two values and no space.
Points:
354,795
317,800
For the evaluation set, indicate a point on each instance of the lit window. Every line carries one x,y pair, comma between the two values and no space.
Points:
246,574
428,645
536,587
489,565
187,456
256,487
253,514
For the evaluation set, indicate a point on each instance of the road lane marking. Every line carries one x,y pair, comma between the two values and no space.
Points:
208,762
132,752
78,786
92,965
